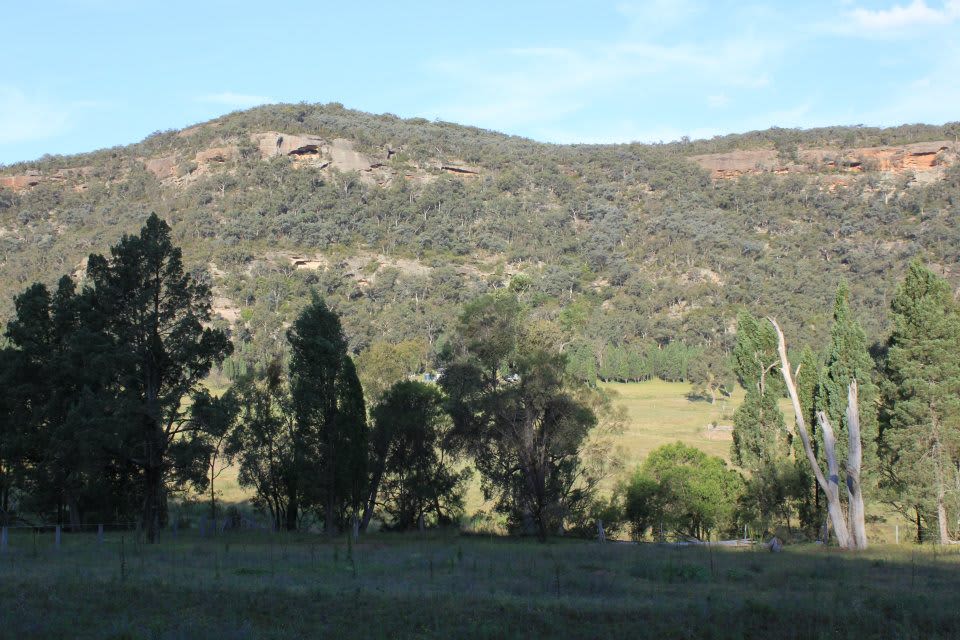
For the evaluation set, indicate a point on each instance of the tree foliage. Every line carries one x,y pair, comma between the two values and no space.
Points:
683,490
329,412
921,436
414,475
513,412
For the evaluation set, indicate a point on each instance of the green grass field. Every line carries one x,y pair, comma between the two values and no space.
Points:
658,413
662,412
444,585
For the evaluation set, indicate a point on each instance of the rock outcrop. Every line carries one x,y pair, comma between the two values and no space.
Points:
162,168
33,177
273,143
21,182
461,170
921,156
217,155
339,153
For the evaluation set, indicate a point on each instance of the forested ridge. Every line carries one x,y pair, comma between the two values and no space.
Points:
620,250
317,274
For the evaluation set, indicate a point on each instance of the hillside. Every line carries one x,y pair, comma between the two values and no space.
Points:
398,222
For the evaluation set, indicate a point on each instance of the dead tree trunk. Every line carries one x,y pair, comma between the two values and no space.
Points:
830,488
942,517
856,511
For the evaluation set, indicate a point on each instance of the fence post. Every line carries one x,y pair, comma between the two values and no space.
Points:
100,534
4,540
57,537
601,535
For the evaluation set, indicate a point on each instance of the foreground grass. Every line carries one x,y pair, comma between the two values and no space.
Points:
270,586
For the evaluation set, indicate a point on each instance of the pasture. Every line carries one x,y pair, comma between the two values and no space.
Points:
247,585
657,413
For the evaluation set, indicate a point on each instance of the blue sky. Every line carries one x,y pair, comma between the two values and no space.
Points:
85,74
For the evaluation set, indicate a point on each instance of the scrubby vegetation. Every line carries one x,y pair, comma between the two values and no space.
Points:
621,250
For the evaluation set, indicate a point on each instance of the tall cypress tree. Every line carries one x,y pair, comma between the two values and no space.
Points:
759,434
848,359
809,373
330,415
60,364
921,434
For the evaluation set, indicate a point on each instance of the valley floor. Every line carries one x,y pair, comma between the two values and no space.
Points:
261,585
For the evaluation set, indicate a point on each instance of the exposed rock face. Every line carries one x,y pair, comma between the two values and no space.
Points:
21,182
345,158
921,156
737,163
272,143
338,154
32,178
217,155
163,168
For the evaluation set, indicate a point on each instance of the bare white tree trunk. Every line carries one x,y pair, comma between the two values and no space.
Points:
856,511
831,489
939,465
942,517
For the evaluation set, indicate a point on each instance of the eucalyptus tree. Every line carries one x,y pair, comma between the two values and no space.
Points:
330,415
512,407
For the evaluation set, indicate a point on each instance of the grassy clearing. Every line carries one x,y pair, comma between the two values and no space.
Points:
658,413
662,413
443,585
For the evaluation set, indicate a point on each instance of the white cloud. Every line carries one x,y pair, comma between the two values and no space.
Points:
24,118
899,17
232,99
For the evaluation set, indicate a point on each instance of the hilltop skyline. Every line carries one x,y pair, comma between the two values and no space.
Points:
108,73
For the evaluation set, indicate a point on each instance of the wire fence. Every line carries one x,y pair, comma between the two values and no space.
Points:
55,534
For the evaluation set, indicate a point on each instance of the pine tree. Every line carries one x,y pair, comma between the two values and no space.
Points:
921,436
61,362
153,314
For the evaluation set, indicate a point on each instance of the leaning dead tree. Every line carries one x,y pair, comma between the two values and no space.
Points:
850,530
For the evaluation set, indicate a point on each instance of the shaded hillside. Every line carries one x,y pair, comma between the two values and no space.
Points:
397,222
